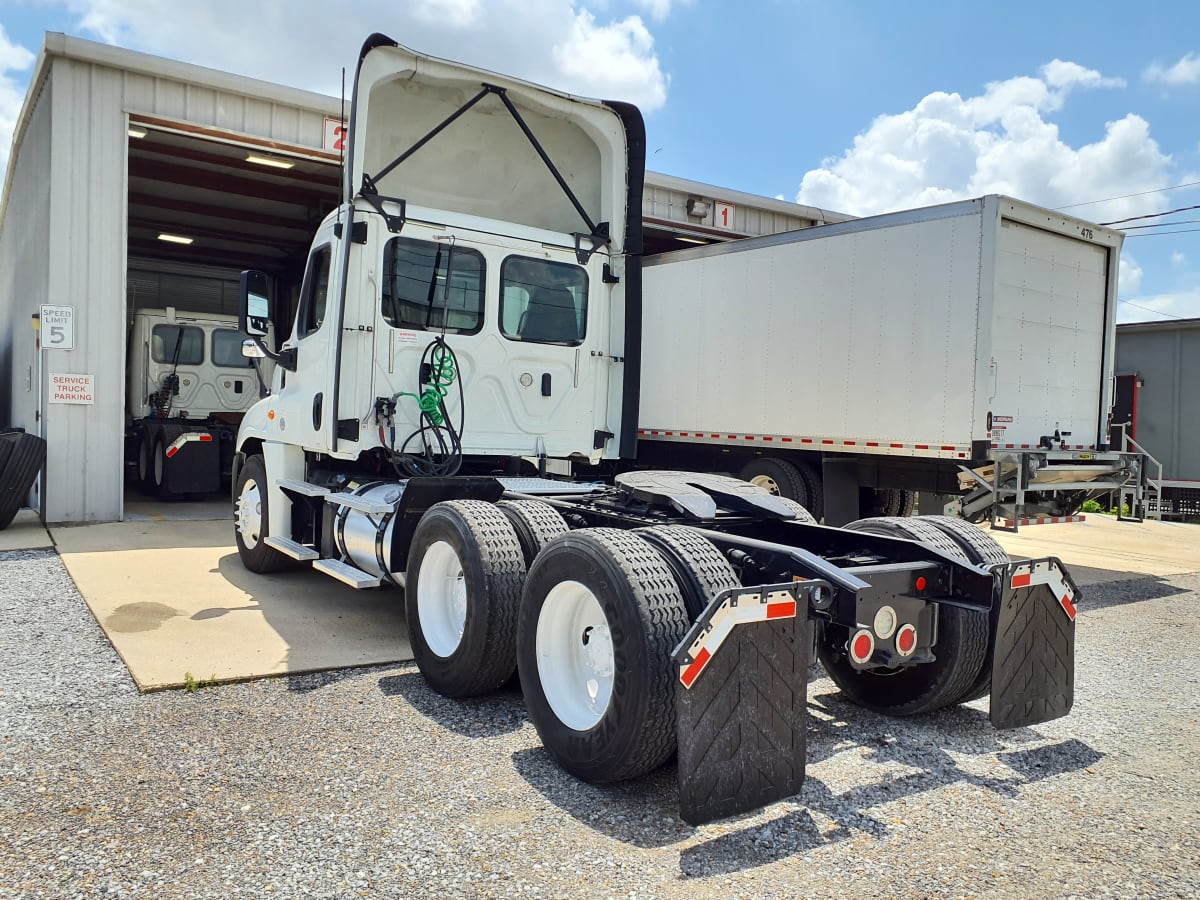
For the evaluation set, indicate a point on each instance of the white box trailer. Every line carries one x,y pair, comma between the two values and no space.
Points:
914,342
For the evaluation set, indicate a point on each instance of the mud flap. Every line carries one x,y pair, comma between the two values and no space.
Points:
740,700
1033,660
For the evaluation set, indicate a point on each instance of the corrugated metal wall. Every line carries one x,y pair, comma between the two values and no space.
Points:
25,269
668,204
1167,358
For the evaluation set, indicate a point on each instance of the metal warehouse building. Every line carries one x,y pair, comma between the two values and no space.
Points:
1158,383
115,153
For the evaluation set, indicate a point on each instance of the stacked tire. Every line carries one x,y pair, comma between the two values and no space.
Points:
21,458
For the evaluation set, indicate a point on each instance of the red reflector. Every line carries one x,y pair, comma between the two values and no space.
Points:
171,451
862,647
206,437
782,610
1068,607
1022,580
921,582
692,672
906,640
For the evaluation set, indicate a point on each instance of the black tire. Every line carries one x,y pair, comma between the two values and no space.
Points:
159,479
488,556
700,569
535,523
816,489
644,611
962,644
908,503
24,459
778,476
253,551
983,550
145,463
802,514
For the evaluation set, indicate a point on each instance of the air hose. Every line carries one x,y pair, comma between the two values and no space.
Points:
440,439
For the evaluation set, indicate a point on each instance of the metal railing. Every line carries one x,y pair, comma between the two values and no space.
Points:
1153,485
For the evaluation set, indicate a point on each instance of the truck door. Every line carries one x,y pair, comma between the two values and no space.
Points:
520,327
303,403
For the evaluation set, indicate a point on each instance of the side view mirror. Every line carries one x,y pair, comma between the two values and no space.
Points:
254,314
254,320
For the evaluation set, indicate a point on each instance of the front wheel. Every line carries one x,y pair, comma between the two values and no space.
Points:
599,618
250,520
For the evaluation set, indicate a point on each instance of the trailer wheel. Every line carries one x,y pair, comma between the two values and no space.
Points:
700,569
816,489
145,463
250,520
536,524
776,476
461,596
908,503
983,550
961,648
600,616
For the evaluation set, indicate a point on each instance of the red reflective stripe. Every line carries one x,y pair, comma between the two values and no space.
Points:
172,451
692,672
206,437
1068,606
1022,580
782,610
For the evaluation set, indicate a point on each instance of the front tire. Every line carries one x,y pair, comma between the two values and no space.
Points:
600,616
461,596
250,520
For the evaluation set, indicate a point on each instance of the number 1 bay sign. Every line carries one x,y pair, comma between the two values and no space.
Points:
57,326
67,388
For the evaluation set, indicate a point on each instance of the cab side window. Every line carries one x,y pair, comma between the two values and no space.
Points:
543,302
315,292
432,286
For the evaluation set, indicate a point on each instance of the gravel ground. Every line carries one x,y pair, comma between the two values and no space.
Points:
365,783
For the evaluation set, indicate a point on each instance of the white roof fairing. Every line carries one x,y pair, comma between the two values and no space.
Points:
482,164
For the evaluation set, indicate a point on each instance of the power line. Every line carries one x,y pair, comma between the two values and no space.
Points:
1158,225
1158,233
1174,187
1169,212
1157,312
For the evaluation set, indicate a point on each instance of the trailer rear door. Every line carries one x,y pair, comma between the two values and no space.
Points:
1051,326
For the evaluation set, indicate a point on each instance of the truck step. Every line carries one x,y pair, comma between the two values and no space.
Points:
291,548
370,507
302,487
346,573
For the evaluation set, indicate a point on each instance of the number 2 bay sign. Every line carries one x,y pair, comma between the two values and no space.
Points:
66,388
57,326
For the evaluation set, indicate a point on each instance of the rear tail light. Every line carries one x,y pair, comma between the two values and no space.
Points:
906,640
862,646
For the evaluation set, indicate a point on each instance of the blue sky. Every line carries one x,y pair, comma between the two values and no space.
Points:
860,107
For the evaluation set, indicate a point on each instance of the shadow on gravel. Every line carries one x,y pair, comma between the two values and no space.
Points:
1124,592
643,812
489,716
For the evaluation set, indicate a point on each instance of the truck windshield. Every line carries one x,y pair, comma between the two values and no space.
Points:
541,301
177,345
227,349
415,292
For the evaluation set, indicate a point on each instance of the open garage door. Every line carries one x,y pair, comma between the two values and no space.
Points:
202,206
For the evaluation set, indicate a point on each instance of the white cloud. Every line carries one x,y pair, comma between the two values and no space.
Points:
658,10
306,43
13,58
1179,305
1186,71
1129,277
1178,259
948,147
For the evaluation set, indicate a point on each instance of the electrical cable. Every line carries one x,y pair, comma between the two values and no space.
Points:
1173,187
1169,212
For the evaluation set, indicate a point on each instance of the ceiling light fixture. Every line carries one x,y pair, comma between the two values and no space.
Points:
269,161
174,239
137,131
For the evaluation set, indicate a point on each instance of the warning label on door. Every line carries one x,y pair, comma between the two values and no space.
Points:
72,388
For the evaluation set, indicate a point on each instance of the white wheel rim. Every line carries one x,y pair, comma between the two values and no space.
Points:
575,655
248,514
767,483
442,599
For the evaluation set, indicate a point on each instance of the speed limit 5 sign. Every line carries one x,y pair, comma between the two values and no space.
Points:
57,327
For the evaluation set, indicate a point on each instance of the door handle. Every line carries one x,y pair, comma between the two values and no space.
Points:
318,400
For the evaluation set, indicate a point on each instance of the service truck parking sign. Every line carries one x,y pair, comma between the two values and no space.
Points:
57,327
68,388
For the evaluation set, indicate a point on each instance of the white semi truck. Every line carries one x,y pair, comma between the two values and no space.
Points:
187,386
475,302
964,349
